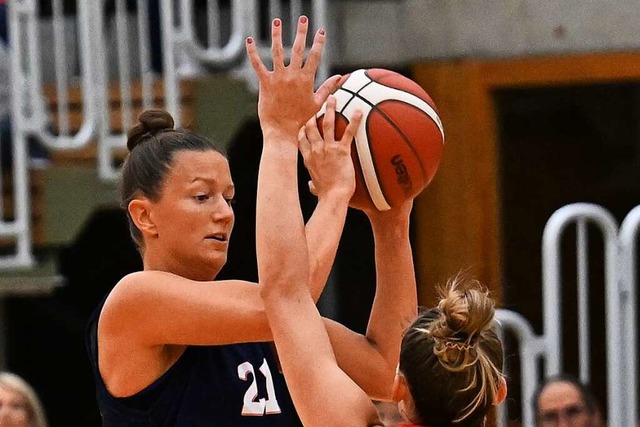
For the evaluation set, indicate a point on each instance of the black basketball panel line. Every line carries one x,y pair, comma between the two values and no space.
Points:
353,95
374,108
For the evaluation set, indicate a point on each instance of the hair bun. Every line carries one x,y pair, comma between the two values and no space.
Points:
466,311
150,121
466,308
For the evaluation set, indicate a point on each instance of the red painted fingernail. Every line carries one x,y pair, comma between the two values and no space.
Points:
249,40
303,19
321,31
276,22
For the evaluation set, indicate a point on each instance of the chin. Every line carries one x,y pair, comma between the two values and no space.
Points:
216,263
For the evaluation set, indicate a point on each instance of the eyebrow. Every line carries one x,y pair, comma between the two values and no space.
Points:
211,180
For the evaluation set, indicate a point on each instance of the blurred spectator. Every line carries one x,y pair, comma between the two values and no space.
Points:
564,401
20,406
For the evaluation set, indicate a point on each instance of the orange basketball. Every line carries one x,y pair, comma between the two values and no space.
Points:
399,143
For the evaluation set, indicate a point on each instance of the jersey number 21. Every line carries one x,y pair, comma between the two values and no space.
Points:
251,405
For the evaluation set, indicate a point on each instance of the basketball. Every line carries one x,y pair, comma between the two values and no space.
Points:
398,145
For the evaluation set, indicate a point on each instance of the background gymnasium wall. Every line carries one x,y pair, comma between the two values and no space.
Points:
396,31
481,61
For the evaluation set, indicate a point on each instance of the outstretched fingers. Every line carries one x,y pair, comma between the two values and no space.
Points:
277,50
300,42
254,58
315,54
287,97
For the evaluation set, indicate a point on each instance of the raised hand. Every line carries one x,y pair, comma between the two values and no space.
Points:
327,160
287,98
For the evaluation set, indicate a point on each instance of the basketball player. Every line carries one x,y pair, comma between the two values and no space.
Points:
171,347
450,359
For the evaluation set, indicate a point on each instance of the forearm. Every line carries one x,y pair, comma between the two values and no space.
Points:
281,245
323,232
361,360
395,302
371,359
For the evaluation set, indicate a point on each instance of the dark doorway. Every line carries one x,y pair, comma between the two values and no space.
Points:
561,145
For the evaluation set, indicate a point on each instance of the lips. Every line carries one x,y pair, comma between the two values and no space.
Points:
220,237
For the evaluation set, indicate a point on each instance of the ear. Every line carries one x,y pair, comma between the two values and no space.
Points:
140,212
502,392
400,388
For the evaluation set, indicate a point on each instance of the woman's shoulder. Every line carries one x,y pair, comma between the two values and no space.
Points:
138,283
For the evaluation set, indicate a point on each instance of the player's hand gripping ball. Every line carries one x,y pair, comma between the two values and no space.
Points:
398,145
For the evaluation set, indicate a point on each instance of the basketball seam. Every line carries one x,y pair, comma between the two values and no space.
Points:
388,119
380,204
357,93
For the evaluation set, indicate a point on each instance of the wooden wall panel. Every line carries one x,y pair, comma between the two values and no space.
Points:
457,219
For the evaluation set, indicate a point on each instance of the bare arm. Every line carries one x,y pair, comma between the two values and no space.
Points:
371,360
332,181
303,344
323,231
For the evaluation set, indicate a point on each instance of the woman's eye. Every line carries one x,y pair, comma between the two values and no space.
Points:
202,197
230,201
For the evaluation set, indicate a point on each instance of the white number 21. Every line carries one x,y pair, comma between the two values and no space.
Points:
251,405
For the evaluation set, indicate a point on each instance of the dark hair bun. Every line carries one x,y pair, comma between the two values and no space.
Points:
150,121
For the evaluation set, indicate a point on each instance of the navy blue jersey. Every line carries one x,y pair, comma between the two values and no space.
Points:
214,386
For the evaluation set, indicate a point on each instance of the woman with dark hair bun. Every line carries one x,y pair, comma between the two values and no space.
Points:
450,358
171,346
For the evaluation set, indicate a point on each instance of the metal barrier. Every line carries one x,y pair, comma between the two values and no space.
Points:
531,348
31,113
620,310
109,50
581,214
130,50
103,40
628,299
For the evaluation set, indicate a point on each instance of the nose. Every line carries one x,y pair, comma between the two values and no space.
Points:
223,211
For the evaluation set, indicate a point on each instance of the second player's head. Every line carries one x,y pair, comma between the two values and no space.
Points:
451,360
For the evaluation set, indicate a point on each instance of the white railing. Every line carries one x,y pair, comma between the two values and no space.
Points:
28,48
580,214
116,48
628,299
620,312
531,349
123,40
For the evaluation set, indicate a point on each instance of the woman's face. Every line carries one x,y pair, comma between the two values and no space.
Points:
14,409
193,217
